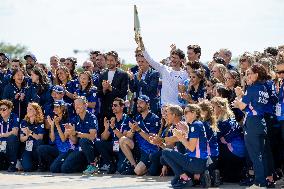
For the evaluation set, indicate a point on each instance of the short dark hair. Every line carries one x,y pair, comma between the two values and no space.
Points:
261,71
120,101
95,53
178,52
72,59
17,60
194,64
113,54
271,51
196,49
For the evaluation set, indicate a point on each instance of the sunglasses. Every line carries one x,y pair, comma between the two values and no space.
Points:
3,109
114,105
139,55
243,60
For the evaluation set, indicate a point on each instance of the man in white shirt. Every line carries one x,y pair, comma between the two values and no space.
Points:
171,75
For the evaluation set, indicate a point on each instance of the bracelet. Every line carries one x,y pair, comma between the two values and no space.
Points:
139,131
163,140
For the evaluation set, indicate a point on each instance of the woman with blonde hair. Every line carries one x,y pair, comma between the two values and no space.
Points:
219,71
32,131
195,158
231,141
210,123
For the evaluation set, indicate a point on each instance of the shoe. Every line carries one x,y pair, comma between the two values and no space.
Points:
112,169
12,168
91,169
248,181
41,169
216,180
182,184
19,165
256,187
105,167
174,180
128,171
205,179
270,184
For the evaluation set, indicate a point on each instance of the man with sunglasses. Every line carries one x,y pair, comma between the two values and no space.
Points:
108,147
145,124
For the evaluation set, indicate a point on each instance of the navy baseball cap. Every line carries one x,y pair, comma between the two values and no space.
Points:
58,89
59,103
30,55
144,98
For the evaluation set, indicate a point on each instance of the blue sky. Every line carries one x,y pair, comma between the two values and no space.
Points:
49,27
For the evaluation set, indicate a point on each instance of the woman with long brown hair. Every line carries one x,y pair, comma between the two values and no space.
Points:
254,101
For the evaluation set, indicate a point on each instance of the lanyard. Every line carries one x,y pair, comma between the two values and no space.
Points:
2,127
143,124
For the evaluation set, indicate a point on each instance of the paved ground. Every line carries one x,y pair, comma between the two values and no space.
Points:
54,181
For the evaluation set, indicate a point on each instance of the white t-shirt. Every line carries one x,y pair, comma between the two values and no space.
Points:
171,79
110,76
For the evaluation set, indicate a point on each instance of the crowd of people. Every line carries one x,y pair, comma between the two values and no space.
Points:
200,123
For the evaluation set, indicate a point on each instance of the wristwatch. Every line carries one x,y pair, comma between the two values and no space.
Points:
139,131
114,128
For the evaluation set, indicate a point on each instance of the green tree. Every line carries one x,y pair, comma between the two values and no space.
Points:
13,50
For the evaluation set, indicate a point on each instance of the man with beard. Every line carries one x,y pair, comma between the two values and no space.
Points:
112,83
171,75
108,146
145,124
31,61
145,82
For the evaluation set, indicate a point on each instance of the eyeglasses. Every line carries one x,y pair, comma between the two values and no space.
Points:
114,105
139,55
3,109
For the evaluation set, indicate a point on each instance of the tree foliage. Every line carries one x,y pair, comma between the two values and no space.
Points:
13,50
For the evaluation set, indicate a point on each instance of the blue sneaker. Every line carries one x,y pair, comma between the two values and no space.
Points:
91,169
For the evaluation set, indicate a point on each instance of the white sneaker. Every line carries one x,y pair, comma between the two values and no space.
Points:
19,165
256,187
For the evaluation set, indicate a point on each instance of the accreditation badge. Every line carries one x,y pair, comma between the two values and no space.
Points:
115,146
29,145
3,145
